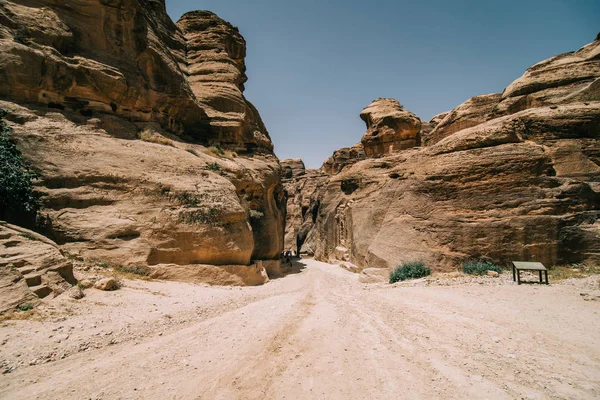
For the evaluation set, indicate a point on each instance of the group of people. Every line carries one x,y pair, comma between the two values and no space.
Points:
287,255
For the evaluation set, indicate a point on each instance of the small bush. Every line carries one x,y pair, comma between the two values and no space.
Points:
150,135
255,214
192,151
28,236
132,269
24,307
213,166
480,267
409,270
18,203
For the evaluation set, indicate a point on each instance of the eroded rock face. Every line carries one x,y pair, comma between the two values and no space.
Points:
390,128
303,197
116,107
217,73
31,267
292,168
472,112
428,127
342,158
518,185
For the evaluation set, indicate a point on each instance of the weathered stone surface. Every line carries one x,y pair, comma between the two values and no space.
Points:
107,284
428,127
516,185
302,206
342,158
292,168
227,275
31,266
472,112
116,108
390,128
217,73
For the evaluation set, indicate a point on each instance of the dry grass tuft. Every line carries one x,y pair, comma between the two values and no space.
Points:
151,136
574,271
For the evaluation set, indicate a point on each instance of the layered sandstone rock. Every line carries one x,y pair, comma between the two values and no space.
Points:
390,128
292,168
303,197
342,158
428,127
504,184
31,267
115,106
217,73
472,112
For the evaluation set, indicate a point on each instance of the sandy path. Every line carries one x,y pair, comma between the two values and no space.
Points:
315,334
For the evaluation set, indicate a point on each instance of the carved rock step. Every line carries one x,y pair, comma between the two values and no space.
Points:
41,290
33,279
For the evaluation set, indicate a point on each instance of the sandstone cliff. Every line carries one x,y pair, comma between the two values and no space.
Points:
115,106
512,176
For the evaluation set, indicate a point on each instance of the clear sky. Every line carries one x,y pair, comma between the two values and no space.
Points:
313,65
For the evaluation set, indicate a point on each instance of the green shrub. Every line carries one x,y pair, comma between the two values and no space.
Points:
409,270
18,203
25,307
213,166
480,267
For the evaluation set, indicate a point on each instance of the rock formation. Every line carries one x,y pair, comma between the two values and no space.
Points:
342,158
292,168
303,189
390,128
502,177
31,267
116,106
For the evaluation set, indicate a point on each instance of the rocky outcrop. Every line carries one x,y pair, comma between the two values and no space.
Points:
390,128
342,158
303,199
498,183
428,127
217,73
472,112
31,268
147,151
292,168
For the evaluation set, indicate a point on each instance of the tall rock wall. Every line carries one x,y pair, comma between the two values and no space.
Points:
506,177
147,151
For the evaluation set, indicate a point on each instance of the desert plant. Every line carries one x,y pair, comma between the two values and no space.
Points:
480,267
25,307
213,166
192,151
255,214
149,134
18,202
410,270
133,269
28,236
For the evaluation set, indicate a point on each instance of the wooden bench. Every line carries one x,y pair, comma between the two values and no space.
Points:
519,266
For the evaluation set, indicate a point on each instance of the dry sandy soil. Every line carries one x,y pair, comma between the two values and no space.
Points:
317,333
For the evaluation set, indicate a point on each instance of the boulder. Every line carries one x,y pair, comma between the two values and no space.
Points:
390,128
107,284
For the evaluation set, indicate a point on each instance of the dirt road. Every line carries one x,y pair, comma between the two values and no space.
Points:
317,334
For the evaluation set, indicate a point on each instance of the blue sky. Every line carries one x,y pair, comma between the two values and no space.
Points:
314,65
